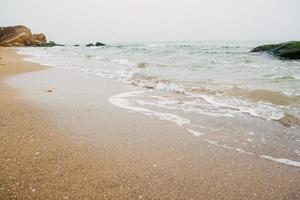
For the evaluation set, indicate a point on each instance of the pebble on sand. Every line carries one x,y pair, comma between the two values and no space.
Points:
50,90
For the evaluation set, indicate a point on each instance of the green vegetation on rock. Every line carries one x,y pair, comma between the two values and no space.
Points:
287,50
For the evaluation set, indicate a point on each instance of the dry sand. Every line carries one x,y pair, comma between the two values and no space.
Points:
58,148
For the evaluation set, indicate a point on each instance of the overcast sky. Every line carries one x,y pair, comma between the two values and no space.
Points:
76,21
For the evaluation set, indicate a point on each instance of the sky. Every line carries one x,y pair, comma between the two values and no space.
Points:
79,21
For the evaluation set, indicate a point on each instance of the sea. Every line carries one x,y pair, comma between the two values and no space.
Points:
217,91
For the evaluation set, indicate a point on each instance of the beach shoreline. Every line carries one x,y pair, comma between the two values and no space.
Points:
71,143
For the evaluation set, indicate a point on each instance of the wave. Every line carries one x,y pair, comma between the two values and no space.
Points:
121,101
270,105
256,109
207,102
128,101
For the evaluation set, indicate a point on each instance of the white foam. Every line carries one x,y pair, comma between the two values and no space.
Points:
123,62
155,45
159,85
227,147
282,160
195,133
249,139
262,110
251,133
121,101
297,152
160,104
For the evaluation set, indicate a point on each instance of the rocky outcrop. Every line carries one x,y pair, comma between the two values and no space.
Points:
287,50
97,44
48,44
19,36
90,45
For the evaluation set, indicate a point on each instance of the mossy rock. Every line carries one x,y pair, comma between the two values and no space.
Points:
287,50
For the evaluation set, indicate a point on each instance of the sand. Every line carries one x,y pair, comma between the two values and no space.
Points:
70,143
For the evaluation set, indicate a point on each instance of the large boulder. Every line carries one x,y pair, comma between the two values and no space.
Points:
20,36
287,50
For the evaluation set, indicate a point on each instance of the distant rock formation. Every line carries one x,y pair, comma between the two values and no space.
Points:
90,45
287,50
48,44
97,44
19,36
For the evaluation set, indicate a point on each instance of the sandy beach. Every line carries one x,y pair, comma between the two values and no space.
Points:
60,138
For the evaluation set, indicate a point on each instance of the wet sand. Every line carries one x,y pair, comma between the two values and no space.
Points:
70,143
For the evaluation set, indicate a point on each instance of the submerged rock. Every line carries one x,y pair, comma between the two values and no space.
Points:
99,44
289,120
48,44
287,50
90,45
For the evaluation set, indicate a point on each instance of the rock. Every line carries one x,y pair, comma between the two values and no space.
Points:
48,44
99,44
90,45
142,65
289,120
20,36
39,39
287,50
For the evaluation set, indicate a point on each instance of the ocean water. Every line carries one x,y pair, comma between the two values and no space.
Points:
217,91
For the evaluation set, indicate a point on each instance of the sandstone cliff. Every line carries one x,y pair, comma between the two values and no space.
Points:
20,36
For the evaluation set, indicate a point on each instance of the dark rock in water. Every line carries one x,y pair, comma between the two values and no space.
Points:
142,65
48,44
287,50
99,44
90,45
76,45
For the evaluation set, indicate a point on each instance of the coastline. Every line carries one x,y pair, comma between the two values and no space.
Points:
73,151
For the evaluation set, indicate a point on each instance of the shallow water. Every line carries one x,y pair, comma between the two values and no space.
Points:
246,102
